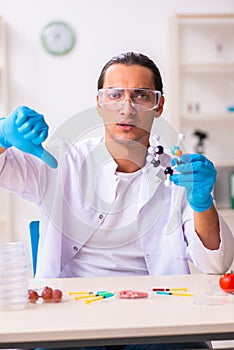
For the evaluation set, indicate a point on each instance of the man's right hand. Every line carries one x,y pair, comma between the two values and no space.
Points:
26,129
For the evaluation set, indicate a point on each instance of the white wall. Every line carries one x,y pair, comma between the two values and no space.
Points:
59,87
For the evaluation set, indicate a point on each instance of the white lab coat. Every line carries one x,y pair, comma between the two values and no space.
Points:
75,199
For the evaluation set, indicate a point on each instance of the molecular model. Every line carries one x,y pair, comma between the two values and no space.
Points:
156,151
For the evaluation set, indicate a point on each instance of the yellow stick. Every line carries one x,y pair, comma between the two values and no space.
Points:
184,289
75,293
169,289
183,294
85,297
94,299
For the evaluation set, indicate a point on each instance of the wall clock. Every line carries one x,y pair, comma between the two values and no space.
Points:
58,38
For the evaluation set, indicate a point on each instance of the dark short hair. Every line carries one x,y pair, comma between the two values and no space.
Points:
131,59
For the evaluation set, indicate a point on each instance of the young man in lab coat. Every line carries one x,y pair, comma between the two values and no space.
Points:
105,210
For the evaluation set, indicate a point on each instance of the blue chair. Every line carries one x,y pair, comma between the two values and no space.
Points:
34,236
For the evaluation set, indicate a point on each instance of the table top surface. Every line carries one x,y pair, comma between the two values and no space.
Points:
208,311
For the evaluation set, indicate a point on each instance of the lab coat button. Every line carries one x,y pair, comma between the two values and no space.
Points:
101,216
147,256
75,248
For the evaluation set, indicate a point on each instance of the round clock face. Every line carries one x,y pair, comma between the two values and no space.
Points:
58,38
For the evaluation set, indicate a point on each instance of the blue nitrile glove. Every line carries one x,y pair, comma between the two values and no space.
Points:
197,174
26,129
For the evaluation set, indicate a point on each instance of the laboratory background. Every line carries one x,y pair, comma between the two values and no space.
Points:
192,43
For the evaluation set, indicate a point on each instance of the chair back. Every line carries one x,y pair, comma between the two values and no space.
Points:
34,236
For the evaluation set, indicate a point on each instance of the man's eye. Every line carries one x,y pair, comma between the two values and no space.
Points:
141,95
115,96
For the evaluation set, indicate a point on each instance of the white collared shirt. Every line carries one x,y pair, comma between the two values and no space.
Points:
79,201
123,256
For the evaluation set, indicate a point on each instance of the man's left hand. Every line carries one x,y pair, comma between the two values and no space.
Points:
197,174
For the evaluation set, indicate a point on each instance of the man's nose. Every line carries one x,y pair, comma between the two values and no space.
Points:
128,106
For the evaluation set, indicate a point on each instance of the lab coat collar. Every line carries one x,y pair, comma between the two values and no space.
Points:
106,176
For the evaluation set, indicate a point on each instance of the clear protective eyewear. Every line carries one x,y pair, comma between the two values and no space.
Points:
114,99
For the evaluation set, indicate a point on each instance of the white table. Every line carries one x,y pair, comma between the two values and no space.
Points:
117,321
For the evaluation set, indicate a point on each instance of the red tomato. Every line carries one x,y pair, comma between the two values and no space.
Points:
226,282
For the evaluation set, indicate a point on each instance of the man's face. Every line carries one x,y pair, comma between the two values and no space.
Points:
128,123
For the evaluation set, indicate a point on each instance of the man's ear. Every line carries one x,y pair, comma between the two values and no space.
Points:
159,109
99,108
